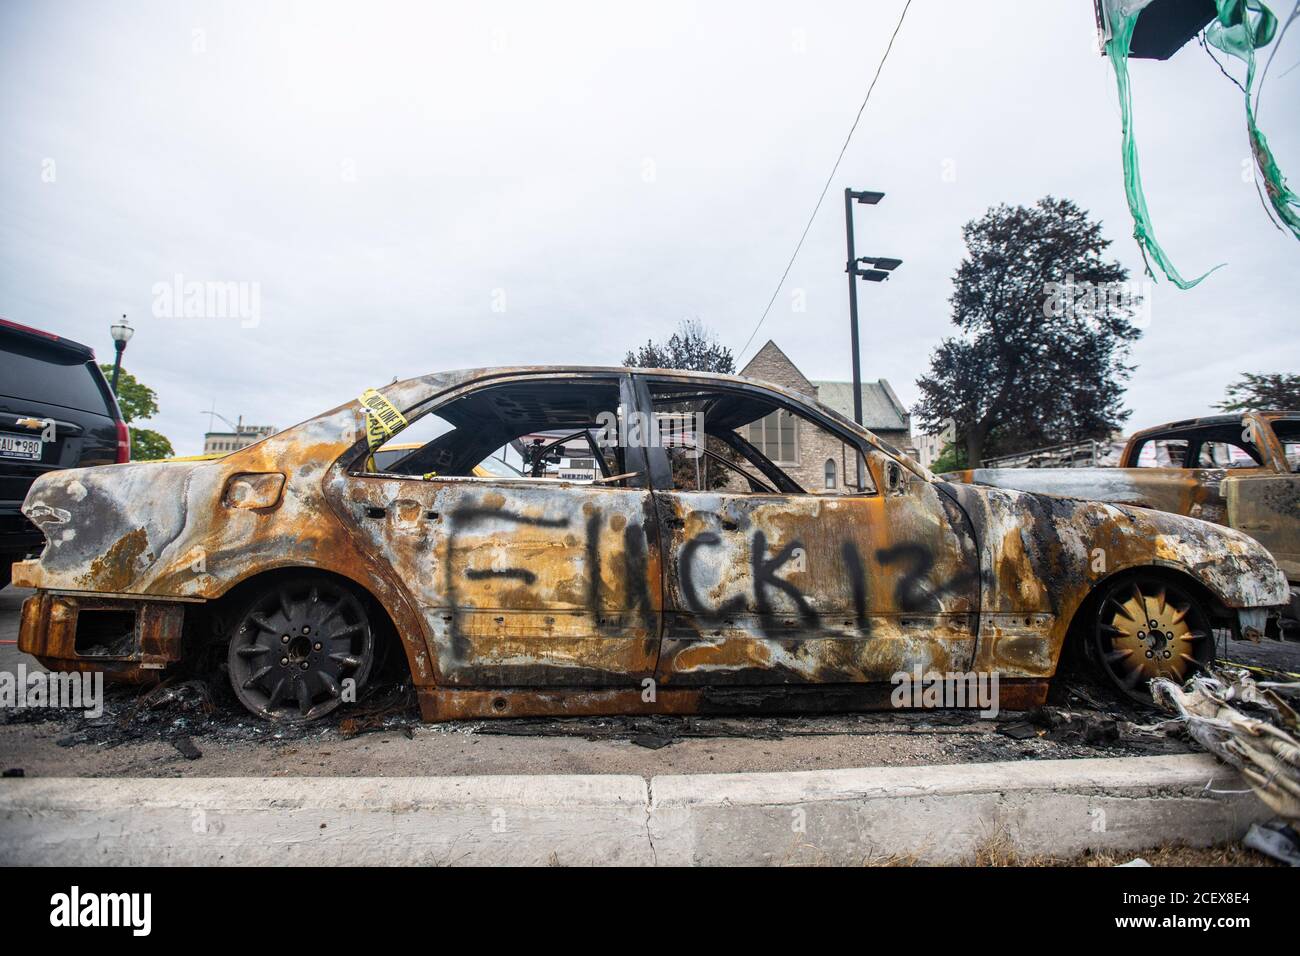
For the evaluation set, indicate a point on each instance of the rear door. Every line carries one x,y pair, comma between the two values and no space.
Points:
525,581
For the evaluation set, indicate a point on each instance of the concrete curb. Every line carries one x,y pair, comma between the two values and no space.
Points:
938,814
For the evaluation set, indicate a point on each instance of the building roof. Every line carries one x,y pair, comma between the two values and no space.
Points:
881,409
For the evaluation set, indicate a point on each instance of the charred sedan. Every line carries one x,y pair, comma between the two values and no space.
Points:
664,562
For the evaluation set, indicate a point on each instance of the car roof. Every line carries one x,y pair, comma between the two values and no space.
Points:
438,383
1212,421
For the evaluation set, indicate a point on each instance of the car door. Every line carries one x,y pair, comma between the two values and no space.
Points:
792,588
524,581
1265,503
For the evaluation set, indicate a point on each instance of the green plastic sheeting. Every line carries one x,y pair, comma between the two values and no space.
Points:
1240,27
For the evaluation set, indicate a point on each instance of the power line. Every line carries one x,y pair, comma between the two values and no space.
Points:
829,180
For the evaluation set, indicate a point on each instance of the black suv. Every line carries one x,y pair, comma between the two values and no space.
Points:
56,411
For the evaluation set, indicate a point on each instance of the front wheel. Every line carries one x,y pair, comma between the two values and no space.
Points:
299,647
1148,627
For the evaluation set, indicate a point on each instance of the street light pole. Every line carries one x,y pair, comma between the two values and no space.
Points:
121,333
851,268
880,272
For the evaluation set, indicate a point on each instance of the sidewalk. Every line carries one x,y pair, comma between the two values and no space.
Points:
934,814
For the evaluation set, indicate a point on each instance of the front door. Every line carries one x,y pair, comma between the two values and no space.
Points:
783,585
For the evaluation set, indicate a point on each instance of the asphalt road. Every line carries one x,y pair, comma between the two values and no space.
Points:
135,740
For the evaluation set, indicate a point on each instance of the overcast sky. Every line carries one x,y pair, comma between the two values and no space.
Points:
423,187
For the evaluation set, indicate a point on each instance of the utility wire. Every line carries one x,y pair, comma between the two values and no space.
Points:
829,180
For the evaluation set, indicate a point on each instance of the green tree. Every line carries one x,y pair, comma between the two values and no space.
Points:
137,402
1280,392
695,348
1044,325
951,458
149,445
691,347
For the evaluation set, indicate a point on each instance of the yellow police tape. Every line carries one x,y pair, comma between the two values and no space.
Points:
1266,671
383,421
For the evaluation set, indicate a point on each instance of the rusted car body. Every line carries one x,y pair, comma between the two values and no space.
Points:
1242,471
529,596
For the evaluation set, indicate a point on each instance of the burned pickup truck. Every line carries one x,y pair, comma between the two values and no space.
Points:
1242,471
680,570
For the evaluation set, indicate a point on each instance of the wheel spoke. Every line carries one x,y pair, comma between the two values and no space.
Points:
286,604
331,685
256,677
347,660
304,696
347,632
252,650
1114,657
329,615
277,692
1123,608
263,623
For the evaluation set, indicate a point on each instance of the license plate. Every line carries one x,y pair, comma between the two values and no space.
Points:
20,446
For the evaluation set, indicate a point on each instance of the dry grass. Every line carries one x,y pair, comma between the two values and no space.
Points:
999,851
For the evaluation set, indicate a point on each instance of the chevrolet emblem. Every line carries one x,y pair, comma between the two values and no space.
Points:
30,423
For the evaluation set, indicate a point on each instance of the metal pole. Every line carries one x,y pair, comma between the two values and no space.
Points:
851,268
120,347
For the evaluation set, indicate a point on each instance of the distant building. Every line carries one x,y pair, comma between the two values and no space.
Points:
813,458
930,447
221,443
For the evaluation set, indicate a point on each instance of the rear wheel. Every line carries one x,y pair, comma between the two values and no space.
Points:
1148,627
296,646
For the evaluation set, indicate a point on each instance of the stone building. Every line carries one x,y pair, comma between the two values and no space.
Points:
220,443
815,459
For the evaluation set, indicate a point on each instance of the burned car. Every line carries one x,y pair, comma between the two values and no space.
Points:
689,573
1242,471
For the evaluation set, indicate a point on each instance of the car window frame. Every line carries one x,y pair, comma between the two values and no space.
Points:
634,458
661,467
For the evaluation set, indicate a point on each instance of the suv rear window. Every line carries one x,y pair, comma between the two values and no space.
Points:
29,371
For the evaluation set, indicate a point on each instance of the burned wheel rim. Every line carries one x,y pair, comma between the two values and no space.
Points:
1148,628
297,647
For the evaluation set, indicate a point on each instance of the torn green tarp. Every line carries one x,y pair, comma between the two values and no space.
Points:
1241,28
1243,25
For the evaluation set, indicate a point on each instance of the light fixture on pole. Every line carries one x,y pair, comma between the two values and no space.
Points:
121,333
882,267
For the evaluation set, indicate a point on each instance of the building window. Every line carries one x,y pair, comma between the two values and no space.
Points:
775,436
830,472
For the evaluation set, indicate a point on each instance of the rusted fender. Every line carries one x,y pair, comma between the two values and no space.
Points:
1069,546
